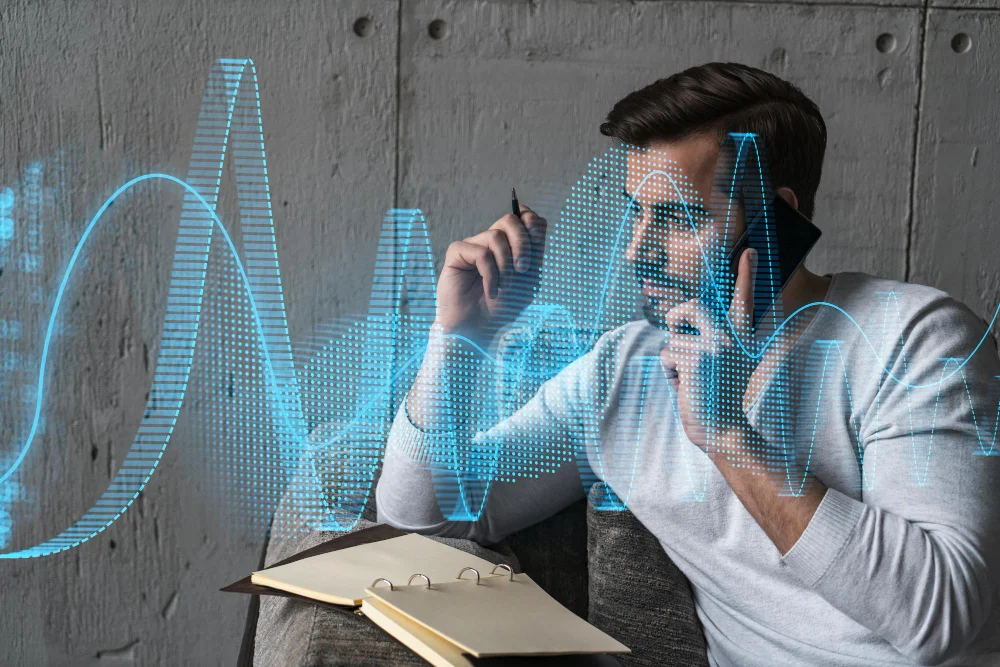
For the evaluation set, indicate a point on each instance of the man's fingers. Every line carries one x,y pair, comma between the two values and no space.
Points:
685,351
741,308
466,256
691,313
518,238
686,343
537,227
497,241
510,244
669,362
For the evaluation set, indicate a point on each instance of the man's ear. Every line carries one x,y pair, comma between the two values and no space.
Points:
789,196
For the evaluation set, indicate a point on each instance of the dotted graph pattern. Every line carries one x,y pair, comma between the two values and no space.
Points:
315,432
225,100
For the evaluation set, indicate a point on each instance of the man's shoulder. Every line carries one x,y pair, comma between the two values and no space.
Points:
888,310
860,289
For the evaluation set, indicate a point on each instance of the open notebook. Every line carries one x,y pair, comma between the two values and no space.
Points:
340,577
455,612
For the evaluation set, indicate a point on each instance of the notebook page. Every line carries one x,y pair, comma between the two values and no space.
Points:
499,617
429,645
340,577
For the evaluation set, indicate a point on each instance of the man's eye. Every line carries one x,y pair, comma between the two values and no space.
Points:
672,217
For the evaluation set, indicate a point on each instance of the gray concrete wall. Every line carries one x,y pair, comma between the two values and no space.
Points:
512,93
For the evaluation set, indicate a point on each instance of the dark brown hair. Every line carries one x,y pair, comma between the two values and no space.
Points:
729,97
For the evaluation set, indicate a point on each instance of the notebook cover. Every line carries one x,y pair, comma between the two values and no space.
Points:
452,654
374,534
498,617
592,660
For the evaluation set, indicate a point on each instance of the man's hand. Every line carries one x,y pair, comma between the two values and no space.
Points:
709,370
489,278
487,281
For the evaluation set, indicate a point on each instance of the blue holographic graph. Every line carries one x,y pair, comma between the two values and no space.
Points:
301,435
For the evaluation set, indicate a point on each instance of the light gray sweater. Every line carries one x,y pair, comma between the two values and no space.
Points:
901,562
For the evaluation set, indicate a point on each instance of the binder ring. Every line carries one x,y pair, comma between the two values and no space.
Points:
504,566
414,576
464,569
391,588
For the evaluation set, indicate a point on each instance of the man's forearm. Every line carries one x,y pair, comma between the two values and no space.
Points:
443,395
425,392
437,398
783,516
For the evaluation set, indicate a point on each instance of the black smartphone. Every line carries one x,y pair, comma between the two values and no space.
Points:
782,237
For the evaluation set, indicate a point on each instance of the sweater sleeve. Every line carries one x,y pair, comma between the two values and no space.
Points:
538,443
916,560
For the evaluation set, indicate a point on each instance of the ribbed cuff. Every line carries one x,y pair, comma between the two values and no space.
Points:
413,443
407,440
824,537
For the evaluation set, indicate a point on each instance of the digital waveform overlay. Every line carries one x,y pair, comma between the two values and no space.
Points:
297,437
26,208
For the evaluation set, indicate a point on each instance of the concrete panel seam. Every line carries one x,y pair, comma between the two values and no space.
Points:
399,89
921,67
964,10
795,3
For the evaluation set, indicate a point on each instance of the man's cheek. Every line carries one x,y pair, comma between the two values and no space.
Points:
667,300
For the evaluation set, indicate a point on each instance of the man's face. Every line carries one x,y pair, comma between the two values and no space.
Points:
680,216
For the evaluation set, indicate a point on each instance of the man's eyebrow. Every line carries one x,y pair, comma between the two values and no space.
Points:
695,209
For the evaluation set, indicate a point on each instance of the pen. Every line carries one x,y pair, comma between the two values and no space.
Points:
514,206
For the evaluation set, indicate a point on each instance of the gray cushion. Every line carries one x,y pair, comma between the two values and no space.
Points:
553,553
637,594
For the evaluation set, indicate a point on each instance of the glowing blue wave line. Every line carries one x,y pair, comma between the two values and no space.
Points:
182,320
766,344
869,460
869,475
62,288
406,364
380,392
815,304
889,373
69,271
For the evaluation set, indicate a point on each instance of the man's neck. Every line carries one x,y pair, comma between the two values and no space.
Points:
804,287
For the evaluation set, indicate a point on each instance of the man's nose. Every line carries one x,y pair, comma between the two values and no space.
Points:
643,247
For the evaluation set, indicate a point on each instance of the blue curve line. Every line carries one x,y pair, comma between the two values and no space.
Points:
868,464
271,373
65,281
221,98
416,356
815,304
764,346
864,334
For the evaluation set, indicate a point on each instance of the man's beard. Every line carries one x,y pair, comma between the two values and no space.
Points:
652,272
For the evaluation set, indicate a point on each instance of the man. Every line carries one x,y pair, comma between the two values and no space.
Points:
878,542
